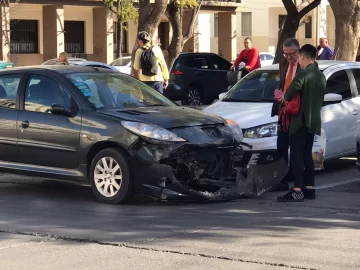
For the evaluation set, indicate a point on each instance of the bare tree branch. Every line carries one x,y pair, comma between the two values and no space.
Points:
195,15
290,7
307,9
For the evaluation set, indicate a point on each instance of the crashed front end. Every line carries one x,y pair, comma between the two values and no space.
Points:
209,165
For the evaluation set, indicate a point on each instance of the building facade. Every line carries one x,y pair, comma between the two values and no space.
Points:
34,31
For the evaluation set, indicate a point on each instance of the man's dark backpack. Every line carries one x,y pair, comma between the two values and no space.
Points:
148,62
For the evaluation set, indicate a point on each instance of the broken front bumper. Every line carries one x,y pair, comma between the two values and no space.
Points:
190,172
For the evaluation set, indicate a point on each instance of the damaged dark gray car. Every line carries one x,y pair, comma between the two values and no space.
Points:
122,137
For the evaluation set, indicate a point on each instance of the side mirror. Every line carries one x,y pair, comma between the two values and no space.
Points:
60,109
332,98
222,95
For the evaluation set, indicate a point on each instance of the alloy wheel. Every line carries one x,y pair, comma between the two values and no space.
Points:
194,97
108,177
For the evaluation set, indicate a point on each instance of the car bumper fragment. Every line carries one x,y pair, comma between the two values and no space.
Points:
188,172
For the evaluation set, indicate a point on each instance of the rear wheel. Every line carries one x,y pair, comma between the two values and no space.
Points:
192,97
110,177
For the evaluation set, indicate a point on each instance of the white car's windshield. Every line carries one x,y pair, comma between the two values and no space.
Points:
116,91
258,86
121,62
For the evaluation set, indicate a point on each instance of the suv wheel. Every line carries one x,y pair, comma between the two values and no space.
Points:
192,97
110,177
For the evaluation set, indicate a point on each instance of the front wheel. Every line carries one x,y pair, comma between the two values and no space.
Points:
110,177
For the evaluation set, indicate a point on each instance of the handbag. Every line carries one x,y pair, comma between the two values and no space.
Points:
292,107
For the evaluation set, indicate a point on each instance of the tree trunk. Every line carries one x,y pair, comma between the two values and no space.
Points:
292,23
347,28
174,15
149,19
119,38
289,31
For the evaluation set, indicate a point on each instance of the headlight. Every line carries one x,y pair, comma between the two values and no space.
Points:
151,131
238,136
268,130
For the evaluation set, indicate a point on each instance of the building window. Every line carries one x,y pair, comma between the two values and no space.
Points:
24,36
308,27
282,19
124,48
216,25
74,36
246,25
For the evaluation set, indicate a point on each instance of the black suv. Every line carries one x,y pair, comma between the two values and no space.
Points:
199,78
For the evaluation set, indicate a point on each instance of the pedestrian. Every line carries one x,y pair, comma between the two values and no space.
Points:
327,52
288,67
63,58
147,61
250,56
310,84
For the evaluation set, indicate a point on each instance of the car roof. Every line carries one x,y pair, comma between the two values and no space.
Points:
323,64
62,69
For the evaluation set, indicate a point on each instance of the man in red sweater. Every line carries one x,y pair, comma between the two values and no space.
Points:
250,56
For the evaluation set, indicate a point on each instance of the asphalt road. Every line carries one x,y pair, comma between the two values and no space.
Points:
52,225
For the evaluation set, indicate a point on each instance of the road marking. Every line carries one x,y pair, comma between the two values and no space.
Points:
338,183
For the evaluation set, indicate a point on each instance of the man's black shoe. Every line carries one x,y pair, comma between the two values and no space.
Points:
280,187
309,193
292,196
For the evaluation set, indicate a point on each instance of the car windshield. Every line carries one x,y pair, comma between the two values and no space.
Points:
121,62
116,91
258,86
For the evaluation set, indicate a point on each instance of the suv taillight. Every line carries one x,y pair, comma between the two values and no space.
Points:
177,72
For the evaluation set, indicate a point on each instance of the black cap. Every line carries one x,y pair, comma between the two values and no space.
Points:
144,36
308,50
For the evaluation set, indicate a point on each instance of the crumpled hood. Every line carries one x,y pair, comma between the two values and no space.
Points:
165,117
246,114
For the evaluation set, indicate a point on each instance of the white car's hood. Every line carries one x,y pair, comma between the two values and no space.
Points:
246,114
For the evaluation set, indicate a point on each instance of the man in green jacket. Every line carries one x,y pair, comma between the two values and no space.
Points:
310,82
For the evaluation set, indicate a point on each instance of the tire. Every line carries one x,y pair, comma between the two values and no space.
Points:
118,181
192,97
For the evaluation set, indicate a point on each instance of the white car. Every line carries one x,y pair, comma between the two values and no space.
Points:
123,64
81,62
266,59
249,103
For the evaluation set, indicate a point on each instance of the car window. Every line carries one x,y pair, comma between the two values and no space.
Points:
116,91
257,86
262,57
9,85
338,83
269,57
189,62
98,66
356,73
42,92
219,63
201,63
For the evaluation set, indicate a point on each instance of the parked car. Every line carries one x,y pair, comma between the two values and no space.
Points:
266,59
81,62
198,78
123,64
249,104
5,65
113,132
72,60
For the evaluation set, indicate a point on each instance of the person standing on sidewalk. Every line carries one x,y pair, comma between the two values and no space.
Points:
250,56
288,68
147,61
327,52
310,83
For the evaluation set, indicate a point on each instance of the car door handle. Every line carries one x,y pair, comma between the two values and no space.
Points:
25,124
355,112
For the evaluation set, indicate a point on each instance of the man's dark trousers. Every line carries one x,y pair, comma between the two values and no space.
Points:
283,144
158,86
301,144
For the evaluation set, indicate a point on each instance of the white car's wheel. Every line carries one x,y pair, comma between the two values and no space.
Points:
110,177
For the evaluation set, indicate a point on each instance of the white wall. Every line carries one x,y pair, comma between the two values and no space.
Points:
204,32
